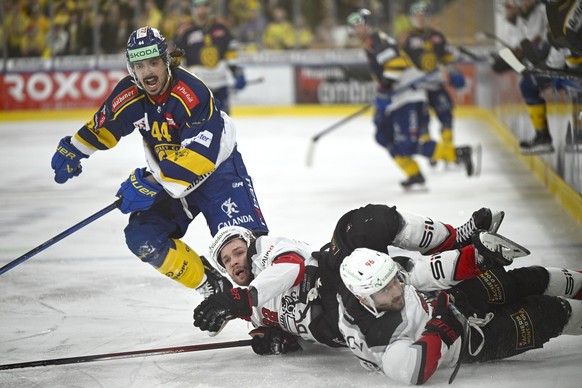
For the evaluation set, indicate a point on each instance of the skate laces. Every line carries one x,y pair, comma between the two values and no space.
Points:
465,231
477,323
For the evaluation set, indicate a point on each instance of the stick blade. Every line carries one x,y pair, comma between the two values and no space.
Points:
509,57
310,153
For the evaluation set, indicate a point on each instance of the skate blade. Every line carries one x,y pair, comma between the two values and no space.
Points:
537,151
215,333
516,249
496,223
416,189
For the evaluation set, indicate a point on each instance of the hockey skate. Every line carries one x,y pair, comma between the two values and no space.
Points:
540,144
465,157
213,281
484,219
493,250
414,183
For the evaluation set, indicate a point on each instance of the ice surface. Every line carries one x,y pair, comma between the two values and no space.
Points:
88,295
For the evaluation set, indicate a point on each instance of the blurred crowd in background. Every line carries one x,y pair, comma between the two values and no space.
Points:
48,28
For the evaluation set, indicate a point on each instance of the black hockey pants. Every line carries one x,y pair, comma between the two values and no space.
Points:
523,318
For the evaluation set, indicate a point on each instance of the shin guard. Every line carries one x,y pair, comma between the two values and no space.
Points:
183,265
424,235
564,282
574,324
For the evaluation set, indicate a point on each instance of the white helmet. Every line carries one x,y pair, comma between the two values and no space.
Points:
225,235
365,272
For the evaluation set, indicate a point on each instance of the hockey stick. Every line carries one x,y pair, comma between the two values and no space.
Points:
474,56
316,137
59,237
509,57
319,135
481,35
465,339
130,354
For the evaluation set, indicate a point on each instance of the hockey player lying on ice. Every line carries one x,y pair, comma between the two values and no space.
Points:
292,289
393,326
392,318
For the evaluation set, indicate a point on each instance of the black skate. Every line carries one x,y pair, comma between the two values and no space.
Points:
540,144
485,219
465,157
493,250
214,282
414,183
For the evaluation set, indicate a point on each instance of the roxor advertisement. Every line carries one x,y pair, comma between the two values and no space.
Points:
57,90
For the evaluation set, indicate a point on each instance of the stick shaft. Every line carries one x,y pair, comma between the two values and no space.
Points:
128,354
58,237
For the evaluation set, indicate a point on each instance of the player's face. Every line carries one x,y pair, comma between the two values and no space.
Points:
202,11
152,74
234,258
389,298
418,20
360,31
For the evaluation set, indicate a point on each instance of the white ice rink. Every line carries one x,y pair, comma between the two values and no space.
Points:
88,294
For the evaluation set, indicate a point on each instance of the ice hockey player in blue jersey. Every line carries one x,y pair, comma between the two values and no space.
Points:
428,49
402,119
194,166
211,52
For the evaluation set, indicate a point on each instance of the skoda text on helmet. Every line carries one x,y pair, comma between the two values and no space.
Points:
365,272
224,236
145,43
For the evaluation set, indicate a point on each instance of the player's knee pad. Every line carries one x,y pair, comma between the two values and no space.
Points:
530,90
426,146
422,234
147,240
372,226
564,282
183,265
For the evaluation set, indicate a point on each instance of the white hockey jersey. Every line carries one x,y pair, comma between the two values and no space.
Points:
284,273
392,352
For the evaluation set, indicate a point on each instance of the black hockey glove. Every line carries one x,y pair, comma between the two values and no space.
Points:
443,322
272,341
214,283
211,314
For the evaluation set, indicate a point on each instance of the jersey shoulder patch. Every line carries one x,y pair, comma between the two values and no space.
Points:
124,92
184,93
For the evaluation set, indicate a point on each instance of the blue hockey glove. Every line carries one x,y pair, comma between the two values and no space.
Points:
240,82
239,77
457,80
273,341
66,161
137,193
211,314
382,101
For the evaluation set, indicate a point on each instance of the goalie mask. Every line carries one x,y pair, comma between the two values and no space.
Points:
366,272
145,43
223,237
